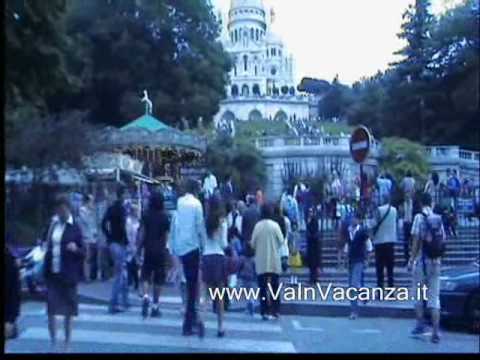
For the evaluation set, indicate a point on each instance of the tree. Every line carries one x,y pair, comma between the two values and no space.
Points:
37,64
170,48
401,155
227,156
433,88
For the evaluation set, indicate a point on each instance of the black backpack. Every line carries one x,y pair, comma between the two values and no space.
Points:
433,238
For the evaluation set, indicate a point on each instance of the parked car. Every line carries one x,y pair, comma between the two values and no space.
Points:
460,295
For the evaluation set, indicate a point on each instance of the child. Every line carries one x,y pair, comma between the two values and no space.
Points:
358,247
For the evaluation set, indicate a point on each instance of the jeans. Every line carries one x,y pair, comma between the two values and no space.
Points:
268,305
191,263
355,281
384,258
120,285
91,262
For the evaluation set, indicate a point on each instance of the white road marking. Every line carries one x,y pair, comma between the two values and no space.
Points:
298,326
134,339
128,319
366,331
135,311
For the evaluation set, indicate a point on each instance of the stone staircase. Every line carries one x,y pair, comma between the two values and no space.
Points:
463,250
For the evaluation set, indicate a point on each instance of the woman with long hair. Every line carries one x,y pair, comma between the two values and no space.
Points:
213,257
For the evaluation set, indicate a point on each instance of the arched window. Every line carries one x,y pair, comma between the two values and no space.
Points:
255,115
235,70
245,90
235,35
257,34
252,34
234,90
268,54
281,116
245,62
256,90
292,91
256,70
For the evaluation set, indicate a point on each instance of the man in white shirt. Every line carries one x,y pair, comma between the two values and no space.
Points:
188,236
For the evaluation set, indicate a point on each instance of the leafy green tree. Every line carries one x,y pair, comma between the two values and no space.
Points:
36,61
226,156
169,48
401,155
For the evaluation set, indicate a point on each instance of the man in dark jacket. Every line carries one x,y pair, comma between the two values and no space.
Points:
152,238
250,218
114,228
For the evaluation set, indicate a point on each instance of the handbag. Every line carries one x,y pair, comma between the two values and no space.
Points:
295,260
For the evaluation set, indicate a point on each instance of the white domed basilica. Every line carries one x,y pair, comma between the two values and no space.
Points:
262,83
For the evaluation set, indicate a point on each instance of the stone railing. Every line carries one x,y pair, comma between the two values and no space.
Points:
438,153
342,142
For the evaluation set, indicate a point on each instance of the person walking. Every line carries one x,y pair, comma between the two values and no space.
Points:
432,187
267,239
87,220
115,230
188,235
133,225
425,265
358,247
62,269
313,245
250,218
285,226
408,188
152,239
454,187
384,238
101,206
213,259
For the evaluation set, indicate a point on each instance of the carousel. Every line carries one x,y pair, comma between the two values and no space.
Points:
162,149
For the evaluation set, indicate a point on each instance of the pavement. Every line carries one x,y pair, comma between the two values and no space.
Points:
95,331
99,293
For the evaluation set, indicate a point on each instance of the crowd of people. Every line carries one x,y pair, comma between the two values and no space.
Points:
214,240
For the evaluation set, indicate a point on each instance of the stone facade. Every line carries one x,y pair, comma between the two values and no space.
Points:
332,151
262,83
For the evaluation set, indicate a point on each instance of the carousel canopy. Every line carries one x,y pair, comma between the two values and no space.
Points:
147,122
149,132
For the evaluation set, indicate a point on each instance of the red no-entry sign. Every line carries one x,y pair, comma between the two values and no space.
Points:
360,143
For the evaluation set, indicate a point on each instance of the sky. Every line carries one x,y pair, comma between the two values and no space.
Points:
351,38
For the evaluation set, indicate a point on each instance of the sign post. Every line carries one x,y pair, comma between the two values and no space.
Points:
360,143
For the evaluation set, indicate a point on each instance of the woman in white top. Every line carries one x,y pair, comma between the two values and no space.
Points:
213,257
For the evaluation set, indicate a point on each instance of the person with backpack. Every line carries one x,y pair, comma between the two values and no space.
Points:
358,247
454,187
290,208
428,248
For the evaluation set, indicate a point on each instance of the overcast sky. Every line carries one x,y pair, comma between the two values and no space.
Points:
352,38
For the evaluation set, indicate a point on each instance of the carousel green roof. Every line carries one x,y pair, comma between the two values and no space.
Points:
147,122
